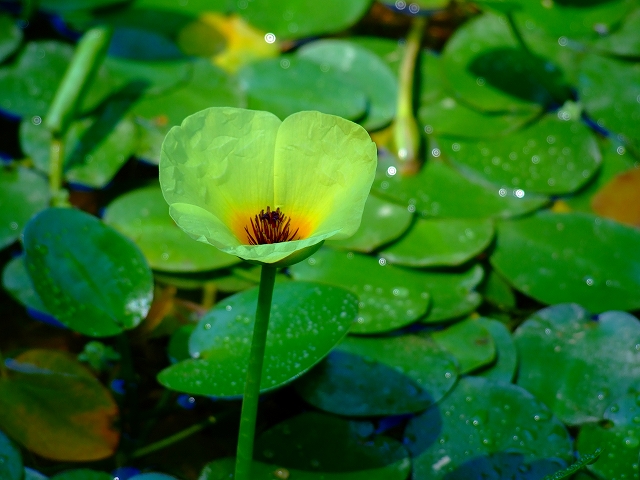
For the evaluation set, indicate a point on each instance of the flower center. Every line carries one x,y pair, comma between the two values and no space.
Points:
271,226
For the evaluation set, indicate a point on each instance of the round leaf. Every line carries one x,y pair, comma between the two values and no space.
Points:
440,242
497,291
440,191
290,84
618,436
56,408
299,18
307,320
453,292
10,36
382,222
390,297
625,40
593,362
88,276
552,156
143,216
364,70
506,364
380,376
469,342
23,193
17,282
558,258
482,424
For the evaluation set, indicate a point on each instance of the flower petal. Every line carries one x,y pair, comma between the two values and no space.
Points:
221,161
324,168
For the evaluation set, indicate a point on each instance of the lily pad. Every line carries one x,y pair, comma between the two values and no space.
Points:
497,291
552,156
29,86
289,19
571,257
610,92
440,242
291,84
17,282
143,216
91,278
152,78
593,362
625,40
440,191
365,70
10,459
307,320
452,291
618,436
380,376
23,193
10,36
56,408
487,68
486,424
95,148
382,222
390,297
388,50
469,342
506,364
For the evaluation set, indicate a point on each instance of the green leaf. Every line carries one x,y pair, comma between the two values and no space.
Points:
289,19
17,282
470,343
88,276
440,242
486,68
440,191
307,320
506,364
10,459
610,90
290,84
593,362
10,36
143,216
482,428
452,292
624,40
390,297
364,70
571,257
497,291
618,436
586,459
380,376
95,148
382,222
30,474
552,156
29,86
56,408
23,193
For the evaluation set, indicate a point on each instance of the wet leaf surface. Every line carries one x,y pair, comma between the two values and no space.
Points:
88,276
380,376
594,361
580,254
307,321
470,342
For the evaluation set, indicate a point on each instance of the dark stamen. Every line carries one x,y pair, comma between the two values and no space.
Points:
270,227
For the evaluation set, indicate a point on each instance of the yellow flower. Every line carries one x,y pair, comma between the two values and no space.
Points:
264,189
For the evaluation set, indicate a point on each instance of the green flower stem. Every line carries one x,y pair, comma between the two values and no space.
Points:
406,134
56,161
249,413
166,442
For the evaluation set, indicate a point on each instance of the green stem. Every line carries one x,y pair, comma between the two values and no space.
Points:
406,134
249,413
165,442
56,162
